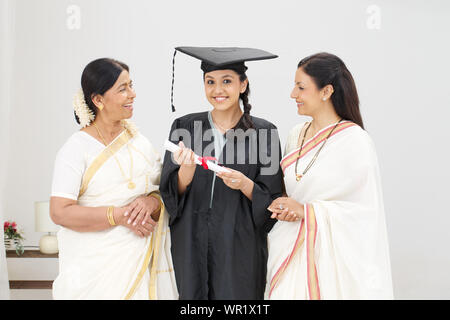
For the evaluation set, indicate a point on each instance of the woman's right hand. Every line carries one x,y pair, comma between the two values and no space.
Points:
139,229
184,157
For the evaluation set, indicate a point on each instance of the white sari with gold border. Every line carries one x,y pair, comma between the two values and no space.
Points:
340,249
114,263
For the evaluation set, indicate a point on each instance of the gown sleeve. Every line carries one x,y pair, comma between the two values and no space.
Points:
169,182
267,187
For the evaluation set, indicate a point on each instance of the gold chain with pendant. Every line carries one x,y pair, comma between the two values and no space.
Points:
131,184
299,176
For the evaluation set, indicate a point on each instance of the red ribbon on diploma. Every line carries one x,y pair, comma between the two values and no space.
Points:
204,159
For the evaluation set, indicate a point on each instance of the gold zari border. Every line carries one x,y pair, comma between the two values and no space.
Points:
153,251
311,233
107,153
284,265
314,142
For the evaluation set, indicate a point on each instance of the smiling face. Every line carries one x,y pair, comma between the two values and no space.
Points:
118,100
306,94
222,89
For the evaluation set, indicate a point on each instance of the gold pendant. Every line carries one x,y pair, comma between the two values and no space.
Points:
298,177
131,185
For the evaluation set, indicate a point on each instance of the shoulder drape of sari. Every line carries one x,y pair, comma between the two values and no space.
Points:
340,249
115,263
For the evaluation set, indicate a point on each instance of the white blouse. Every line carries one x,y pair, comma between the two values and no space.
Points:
81,149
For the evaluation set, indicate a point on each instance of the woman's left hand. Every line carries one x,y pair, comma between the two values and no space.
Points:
141,210
286,209
235,179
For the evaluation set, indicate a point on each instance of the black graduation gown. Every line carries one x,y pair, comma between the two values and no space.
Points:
220,252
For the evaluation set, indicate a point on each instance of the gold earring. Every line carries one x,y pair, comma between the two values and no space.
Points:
100,106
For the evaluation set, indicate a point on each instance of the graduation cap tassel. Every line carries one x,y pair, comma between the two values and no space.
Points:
173,80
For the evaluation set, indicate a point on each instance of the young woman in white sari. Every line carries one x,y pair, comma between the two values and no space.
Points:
330,241
114,242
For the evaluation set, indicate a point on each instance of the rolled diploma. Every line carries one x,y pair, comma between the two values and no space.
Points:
169,146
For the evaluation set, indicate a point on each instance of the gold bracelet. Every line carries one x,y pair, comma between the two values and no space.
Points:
109,214
155,194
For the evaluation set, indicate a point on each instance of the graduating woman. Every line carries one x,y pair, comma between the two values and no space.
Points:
331,242
113,243
219,222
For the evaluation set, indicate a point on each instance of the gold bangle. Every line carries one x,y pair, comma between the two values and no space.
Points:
109,214
155,194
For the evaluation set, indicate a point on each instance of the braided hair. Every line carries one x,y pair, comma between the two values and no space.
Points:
246,121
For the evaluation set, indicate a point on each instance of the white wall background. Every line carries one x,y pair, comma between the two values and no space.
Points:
397,52
6,33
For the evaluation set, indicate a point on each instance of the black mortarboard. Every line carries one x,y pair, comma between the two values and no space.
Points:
221,58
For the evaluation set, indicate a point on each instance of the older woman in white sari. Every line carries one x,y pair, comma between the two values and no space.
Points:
114,241
331,240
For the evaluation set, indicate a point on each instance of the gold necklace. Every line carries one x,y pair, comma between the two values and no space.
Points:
229,127
131,184
299,176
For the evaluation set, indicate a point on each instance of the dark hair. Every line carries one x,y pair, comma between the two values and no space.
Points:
326,68
246,121
98,77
